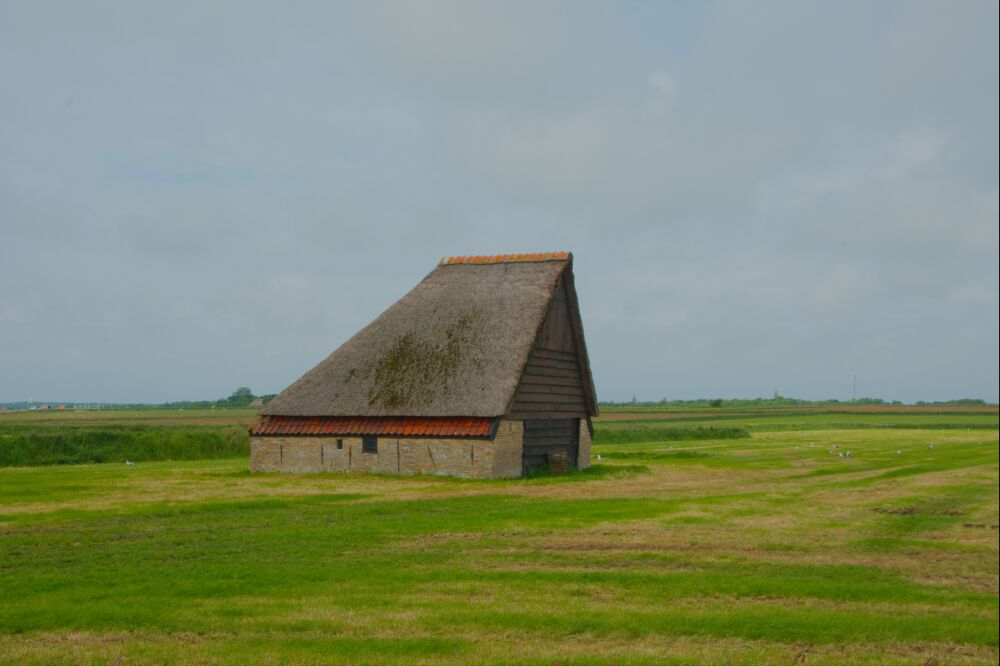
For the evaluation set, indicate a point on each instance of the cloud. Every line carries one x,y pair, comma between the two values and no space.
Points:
561,156
847,171
463,39
912,149
836,290
663,85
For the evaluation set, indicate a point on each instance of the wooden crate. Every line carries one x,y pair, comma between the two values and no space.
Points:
558,462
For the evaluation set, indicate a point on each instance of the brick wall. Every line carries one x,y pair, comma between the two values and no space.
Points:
583,457
456,457
508,449
336,452
300,454
265,454
469,458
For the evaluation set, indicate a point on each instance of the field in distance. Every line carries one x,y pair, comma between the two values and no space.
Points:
815,538
176,417
810,414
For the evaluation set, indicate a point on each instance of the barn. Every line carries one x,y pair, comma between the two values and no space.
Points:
481,371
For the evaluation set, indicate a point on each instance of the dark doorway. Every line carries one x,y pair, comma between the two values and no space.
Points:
542,437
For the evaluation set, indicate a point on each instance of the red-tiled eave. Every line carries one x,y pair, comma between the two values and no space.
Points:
506,258
403,426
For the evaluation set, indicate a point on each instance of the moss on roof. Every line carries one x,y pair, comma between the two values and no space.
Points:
412,371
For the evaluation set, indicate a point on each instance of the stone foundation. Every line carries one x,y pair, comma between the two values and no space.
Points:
495,458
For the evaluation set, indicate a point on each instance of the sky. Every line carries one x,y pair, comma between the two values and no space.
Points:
760,196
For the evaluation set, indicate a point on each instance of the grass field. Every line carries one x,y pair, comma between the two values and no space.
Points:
166,417
767,548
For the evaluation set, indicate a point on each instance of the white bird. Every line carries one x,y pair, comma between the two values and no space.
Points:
899,453
841,454
600,457
848,454
930,446
129,462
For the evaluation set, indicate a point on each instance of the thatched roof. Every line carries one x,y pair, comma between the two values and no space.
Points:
456,345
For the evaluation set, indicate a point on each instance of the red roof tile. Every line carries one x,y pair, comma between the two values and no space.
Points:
347,425
506,258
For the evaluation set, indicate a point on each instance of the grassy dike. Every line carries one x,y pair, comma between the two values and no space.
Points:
27,444
61,444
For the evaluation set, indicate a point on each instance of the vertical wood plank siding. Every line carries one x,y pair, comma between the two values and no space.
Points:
542,437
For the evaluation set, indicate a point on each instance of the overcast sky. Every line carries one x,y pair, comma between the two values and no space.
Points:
759,196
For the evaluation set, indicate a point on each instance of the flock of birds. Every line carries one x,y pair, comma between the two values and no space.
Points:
847,453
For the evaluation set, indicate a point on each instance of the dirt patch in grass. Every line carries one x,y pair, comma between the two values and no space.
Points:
122,648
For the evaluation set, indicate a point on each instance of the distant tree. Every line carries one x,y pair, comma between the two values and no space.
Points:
716,403
241,397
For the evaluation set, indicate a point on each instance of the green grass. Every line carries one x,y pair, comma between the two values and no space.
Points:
762,422
763,549
660,433
132,417
43,444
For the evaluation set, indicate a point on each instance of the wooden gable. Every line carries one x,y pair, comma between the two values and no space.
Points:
553,385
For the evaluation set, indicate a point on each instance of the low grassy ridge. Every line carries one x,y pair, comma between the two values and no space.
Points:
62,441
66,437
647,432
772,548
30,444
766,421
176,417
60,437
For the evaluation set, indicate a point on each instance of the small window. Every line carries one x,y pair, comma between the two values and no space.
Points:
340,445
369,444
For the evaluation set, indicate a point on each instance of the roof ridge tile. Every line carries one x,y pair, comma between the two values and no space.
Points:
532,257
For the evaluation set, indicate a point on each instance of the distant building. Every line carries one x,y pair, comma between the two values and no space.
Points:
44,407
480,371
256,404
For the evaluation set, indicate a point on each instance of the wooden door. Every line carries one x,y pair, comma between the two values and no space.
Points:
542,437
